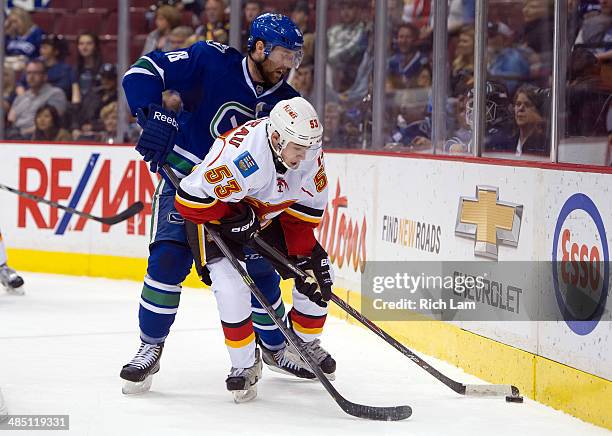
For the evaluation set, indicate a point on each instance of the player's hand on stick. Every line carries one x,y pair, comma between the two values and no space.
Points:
159,128
240,228
319,289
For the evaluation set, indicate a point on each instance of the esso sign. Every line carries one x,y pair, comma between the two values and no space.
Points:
580,266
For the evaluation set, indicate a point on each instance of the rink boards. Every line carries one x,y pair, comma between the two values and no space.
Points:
381,208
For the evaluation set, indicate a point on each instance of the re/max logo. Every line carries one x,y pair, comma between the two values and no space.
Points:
93,190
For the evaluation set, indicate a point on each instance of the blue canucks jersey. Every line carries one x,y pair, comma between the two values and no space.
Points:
215,86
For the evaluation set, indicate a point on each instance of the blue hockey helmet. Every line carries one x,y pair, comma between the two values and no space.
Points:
276,30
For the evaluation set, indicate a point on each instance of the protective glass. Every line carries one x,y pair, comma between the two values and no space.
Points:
284,57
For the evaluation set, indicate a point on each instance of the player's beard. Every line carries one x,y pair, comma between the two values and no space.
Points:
272,76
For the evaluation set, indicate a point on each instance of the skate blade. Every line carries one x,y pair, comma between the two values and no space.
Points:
242,396
136,388
282,371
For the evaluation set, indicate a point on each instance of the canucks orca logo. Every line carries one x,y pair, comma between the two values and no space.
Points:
229,116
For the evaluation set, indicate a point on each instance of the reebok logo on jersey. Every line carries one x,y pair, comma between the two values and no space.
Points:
246,164
165,119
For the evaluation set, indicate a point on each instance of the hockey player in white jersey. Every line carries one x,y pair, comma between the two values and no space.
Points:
9,279
266,176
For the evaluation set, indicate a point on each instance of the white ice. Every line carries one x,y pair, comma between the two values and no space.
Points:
62,346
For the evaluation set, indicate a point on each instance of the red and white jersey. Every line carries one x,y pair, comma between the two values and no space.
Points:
240,167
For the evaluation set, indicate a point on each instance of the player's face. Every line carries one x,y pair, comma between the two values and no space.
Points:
293,154
279,62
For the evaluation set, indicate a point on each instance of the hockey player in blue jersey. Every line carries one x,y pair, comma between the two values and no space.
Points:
220,90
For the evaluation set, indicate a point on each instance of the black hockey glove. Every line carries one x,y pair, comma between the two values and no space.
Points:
319,289
240,228
159,128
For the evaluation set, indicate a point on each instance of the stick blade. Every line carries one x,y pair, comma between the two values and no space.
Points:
491,390
132,210
396,413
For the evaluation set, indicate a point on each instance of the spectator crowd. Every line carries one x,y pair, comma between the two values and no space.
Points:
63,86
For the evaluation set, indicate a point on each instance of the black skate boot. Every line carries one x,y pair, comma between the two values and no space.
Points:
12,282
242,382
138,373
322,357
287,361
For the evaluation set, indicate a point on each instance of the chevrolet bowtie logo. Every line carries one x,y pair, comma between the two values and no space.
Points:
489,221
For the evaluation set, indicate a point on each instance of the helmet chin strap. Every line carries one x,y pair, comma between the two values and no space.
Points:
279,163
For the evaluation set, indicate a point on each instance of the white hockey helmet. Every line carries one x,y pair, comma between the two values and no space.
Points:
296,121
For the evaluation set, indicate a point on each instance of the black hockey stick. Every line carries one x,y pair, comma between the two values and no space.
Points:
394,413
132,210
361,411
510,391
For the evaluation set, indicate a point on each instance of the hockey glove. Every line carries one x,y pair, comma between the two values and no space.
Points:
241,227
159,128
319,289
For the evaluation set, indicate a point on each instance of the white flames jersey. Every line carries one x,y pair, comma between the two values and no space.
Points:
240,167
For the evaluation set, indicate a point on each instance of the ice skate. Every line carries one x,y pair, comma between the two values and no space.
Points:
322,357
10,280
287,361
138,373
242,382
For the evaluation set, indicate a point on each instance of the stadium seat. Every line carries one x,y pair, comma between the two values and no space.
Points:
73,24
67,4
138,23
111,5
45,19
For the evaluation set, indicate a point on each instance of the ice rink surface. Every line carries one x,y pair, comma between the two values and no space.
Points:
62,346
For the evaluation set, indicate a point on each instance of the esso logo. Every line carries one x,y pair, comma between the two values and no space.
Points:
580,264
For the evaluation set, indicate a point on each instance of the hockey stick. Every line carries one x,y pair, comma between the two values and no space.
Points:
132,209
511,392
361,411
394,413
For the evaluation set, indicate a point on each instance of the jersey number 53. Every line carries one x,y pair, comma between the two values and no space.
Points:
217,175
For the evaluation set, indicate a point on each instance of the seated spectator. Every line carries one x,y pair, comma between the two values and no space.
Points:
300,16
216,26
53,51
463,63
252,9
88,116
506,64
529,115
89,61
407,60
166,18
596,31
302,81
587,96
48,126
109,116
23,38
347,42
179,36
39,93
498,122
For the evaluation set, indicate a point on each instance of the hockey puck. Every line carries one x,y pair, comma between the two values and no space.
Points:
511,399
